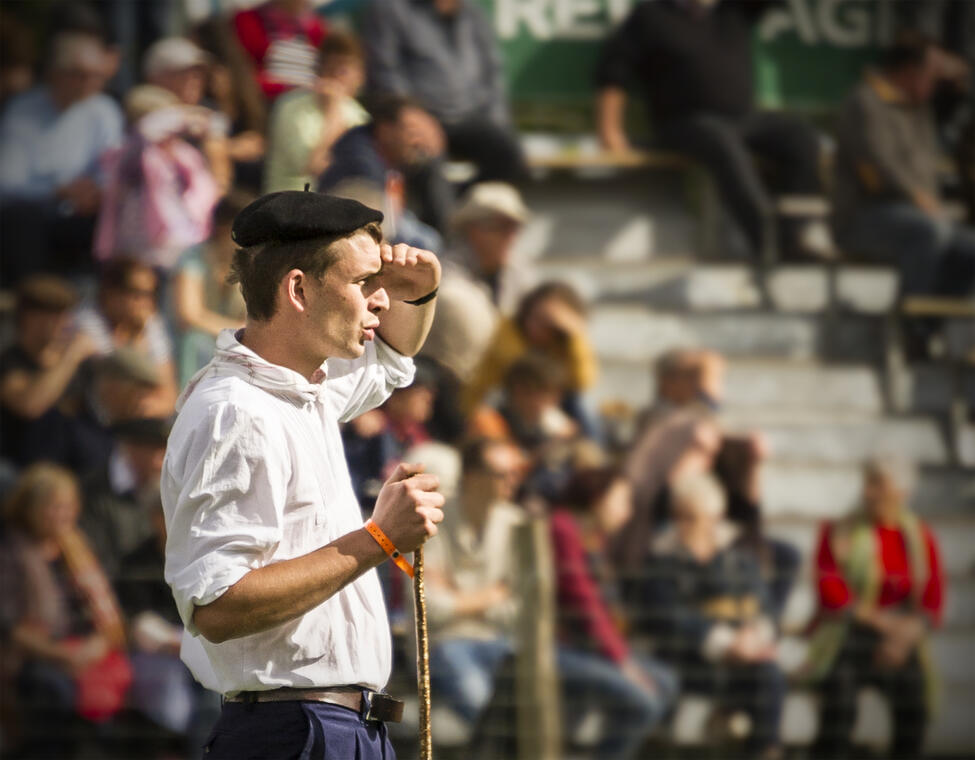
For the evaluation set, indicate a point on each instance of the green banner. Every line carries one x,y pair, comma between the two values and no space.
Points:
808,53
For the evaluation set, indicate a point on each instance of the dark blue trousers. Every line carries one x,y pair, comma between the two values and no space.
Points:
296,731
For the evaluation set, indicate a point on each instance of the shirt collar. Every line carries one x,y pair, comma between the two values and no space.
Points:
234,358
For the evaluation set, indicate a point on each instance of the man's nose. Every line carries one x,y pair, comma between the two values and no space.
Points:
379,301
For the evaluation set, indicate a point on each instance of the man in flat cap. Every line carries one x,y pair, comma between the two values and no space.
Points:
270,564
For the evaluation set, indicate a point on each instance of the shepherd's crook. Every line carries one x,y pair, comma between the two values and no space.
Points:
422,656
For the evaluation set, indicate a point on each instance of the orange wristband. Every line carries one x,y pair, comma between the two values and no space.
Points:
394,554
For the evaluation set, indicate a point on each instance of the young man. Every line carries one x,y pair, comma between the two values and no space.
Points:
269,561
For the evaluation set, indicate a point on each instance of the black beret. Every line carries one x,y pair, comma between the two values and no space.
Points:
297,215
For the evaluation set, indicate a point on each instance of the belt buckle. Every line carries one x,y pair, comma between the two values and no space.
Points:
382,708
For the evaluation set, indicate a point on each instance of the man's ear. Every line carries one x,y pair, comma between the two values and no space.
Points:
293,290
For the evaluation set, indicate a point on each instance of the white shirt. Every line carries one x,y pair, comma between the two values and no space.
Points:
254,474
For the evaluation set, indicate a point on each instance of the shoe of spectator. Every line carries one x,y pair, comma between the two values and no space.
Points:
815,241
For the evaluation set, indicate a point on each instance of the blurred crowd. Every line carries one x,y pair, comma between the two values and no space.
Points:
115,214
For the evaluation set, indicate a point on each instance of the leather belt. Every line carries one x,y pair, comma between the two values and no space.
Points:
371,705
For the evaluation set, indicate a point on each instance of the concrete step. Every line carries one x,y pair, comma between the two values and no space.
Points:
762,385
822,492
687,284
638,334
615,218
951,730
915,439
955,535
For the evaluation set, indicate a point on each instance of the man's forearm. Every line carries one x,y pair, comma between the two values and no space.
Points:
278,593
405,327
610,109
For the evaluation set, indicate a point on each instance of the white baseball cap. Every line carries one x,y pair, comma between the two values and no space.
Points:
172,54
490,199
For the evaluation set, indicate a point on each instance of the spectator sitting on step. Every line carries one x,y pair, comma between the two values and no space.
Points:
472,574
886,202
480,280
400,150
125,315
680,434
703,603
124,385
37,371
51,139
306,122
281,37
551,323
163,689
881,589
177,65
693,60
63,632
159,189
203,303
444,54
528,412
120,498
597,669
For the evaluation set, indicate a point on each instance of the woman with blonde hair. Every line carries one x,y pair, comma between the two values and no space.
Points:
64,635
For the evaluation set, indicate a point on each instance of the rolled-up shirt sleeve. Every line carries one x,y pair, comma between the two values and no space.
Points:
358,385
224,490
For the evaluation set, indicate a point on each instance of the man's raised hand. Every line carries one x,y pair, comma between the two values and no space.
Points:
409,507
408,273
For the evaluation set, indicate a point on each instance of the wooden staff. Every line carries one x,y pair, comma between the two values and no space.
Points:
422,656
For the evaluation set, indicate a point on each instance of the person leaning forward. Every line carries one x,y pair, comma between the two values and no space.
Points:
270,565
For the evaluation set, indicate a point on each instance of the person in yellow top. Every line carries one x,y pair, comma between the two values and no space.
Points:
550,321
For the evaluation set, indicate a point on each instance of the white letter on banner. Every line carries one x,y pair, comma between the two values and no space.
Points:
618,10
855,32
510,14
570,20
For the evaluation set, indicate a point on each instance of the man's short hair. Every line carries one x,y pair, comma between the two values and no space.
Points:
473,454
587,485
386,109
551,289
339,44
45,292
117,273
676,361
909,50
76,50
534,372
259,268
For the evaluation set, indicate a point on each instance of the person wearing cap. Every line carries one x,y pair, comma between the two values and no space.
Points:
270,564
37,369
177,65
160,189
481,282
51,139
